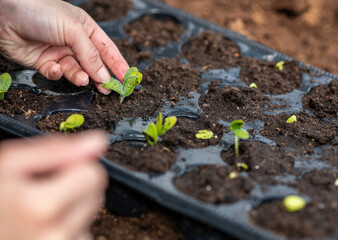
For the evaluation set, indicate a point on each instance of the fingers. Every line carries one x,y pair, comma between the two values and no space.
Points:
49,153
73,72
61,197
51,70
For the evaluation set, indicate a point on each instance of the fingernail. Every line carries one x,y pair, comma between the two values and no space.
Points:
103,74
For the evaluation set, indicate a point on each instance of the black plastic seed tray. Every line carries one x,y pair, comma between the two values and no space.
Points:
130,192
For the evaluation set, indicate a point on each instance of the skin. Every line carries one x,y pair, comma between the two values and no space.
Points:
57,38
51,187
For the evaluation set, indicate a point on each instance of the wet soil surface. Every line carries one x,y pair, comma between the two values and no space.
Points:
268,78
211,50
323,100
154,32
307,29
212,184
158,224
106,10
229,103
319,217
157,159
24,101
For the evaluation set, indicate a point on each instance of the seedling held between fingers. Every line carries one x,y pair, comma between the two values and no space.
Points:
236,128
5,83
72,122
132,78
153,131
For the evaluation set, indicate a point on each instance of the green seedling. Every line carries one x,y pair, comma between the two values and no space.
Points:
132,78
5,83
242,166
236,128
153,131
280,65
293,203
253,85
233,175
205,134
292,119
72,122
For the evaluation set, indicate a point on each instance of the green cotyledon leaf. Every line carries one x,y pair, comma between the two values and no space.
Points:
114,85
5,83
73,121
159,123
151,134
242,133
237,124
204,134
169,122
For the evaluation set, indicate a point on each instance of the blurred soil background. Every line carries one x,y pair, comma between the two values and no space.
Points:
306,30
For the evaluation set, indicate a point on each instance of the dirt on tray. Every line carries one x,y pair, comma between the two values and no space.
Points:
212,184
268,78
106,10
154,32
24,101
323,100
305,30
211,51
155,225
229,103
136,156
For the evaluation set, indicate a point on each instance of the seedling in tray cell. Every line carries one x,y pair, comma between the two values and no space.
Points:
293,203
253,85
236,128
132,78
205,134
280,65
292,119
72,122
5,83
153,131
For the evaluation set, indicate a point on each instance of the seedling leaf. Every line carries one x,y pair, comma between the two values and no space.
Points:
169,122
292,119
233,175
242,166
253,85
5,83
159,123
280,65
237,124
204,134
242,133
151,134
114,85
293,203
72,122
236,128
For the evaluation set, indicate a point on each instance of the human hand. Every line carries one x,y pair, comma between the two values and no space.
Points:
50,189
57,38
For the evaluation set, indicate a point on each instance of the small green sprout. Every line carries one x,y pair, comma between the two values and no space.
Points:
205,134
253,85
132,78
233,175
293,203
292,119
236,128
72,122
242,166
5,83
280,65
153,131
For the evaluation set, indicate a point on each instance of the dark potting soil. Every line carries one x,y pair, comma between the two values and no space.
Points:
183,133
304,134
158,224
212,184
229,103
154,159
8,65
91,121
268,78
211,51
24,101
154,32
264,162
106,10
58,86
131,52
330,154
318,219
323,100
